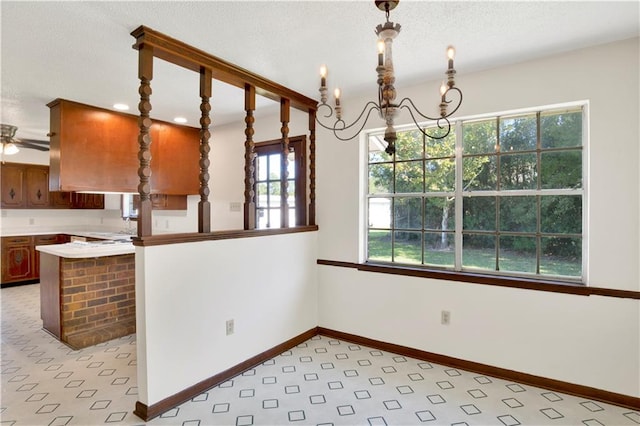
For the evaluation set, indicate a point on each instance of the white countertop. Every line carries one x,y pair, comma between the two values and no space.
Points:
81,249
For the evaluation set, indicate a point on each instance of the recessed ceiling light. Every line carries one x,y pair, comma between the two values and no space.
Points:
180,120
121,107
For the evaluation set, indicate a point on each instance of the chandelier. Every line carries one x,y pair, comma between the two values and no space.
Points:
7,133
386,104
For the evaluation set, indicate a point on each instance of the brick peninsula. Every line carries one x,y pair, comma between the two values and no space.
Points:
87,291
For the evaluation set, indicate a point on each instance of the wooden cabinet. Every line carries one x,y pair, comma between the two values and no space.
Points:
13,185
17,259
164,202
20,259
87,201
37,187
25,186
94,149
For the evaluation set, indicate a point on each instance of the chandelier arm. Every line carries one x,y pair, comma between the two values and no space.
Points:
447,124
340,125
329,114
459,100
426,117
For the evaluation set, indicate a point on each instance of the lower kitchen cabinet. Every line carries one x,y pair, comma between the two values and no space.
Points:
20,259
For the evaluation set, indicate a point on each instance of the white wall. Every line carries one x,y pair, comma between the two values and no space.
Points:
186,292
592,341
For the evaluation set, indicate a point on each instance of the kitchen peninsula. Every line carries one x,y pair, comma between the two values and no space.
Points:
87,290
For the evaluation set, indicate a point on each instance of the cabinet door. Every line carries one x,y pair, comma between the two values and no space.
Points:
87,201
17,259
37,187
60,200
13,182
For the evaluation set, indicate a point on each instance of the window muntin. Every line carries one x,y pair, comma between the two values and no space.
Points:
500,195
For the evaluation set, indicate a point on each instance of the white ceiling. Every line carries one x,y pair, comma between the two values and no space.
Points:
82,50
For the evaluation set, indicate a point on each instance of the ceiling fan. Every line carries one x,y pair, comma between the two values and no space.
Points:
11,145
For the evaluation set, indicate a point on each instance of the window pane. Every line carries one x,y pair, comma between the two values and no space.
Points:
379,245
409,145
561,129
439,148
261,164
562,169
291,166
439,213
518,171
407,247
518,133
479,137
439,249
440,175
479,251
561,214
479,213
561,256
291,193
407,213
409,176
518,214
380,213
274,166
262,195
292,217
479,173
518,254
274,191
380,178
274,218
377,145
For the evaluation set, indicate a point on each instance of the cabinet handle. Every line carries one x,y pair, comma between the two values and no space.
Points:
39,194
12,193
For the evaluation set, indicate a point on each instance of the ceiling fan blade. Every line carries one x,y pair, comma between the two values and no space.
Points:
34,144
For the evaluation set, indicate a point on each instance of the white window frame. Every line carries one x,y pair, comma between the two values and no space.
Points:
458,234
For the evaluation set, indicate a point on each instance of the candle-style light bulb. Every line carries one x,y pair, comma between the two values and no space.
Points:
443,89
380,53
451,53
323,76
336,93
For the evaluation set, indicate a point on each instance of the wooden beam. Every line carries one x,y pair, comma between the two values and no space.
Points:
189,57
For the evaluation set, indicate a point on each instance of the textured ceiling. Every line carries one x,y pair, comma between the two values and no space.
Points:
82,50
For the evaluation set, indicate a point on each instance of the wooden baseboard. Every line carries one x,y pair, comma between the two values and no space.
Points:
501,373
146,412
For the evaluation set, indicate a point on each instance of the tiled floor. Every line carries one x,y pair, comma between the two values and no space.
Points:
322,381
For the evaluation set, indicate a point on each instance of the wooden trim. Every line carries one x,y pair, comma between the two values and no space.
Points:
204,205
147,413
164,239
494,280
180,53
501,373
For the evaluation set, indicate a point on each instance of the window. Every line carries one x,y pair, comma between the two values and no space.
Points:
269,183
500,195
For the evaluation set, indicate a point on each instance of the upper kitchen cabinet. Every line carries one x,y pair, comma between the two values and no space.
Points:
94,149
25,186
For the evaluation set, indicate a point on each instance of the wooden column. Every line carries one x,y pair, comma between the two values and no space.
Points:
204,206
145,74
285,109
312,167
249,159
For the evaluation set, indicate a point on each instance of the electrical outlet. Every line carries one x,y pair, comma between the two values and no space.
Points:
230,327
31,221
445,317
